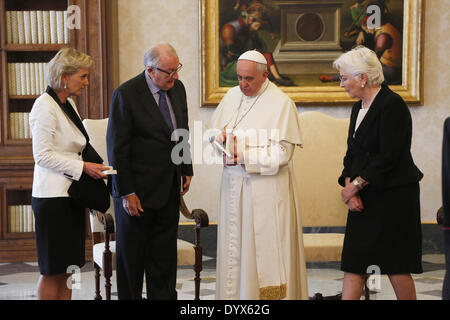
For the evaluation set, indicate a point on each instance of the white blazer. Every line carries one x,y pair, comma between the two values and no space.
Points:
57,148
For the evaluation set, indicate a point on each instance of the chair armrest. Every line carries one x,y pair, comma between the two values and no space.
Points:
201,218
105,219
108,223
440,216
199,215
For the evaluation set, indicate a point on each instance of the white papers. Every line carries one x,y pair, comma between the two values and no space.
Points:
110,171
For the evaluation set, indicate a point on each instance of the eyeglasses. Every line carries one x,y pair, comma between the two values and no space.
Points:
171,73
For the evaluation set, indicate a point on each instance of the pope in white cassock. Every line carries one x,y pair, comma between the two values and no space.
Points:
260,251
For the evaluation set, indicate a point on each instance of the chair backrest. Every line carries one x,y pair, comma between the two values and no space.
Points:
318,166
96,130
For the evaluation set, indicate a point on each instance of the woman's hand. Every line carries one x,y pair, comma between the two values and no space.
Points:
95,170
355,204
349,191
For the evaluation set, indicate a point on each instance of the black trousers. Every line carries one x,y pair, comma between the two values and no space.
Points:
147,245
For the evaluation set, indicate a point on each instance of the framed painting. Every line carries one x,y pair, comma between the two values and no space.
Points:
300,40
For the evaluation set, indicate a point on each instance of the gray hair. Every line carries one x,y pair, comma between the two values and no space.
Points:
151,57
67,61
361,60
261,67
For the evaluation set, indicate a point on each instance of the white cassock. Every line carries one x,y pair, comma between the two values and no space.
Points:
260,251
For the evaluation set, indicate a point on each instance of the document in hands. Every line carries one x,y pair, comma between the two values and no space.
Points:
221,148
110,171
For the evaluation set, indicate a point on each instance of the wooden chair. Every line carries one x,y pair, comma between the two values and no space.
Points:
440,215
317,168
103,226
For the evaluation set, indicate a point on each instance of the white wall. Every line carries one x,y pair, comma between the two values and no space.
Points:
146,22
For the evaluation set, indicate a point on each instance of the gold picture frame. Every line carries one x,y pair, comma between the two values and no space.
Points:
411,88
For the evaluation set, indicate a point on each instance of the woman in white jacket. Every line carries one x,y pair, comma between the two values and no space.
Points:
58,144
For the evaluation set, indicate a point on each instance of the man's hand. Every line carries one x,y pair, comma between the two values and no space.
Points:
186,184
132,205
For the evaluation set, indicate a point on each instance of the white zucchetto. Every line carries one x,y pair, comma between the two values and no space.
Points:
253,55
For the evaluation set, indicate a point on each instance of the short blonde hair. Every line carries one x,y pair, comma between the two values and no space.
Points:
66,61
361,60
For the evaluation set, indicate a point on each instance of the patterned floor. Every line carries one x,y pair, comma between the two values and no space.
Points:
18,281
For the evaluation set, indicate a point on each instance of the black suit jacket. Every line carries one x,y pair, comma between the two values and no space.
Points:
380,151
446,206
446,173
139,142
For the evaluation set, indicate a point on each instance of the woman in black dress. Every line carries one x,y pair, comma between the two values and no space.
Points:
57,150
380,181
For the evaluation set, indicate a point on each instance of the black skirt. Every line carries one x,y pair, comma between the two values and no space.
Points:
386,234
60,234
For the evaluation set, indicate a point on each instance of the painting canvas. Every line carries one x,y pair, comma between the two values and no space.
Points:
300,40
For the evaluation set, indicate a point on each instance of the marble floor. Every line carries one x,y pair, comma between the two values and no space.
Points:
18,281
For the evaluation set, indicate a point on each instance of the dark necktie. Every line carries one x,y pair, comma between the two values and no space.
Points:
164,108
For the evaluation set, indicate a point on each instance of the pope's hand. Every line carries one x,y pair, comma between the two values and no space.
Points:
221,138
237,157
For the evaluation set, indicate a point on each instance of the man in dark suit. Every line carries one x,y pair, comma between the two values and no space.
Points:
145,115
